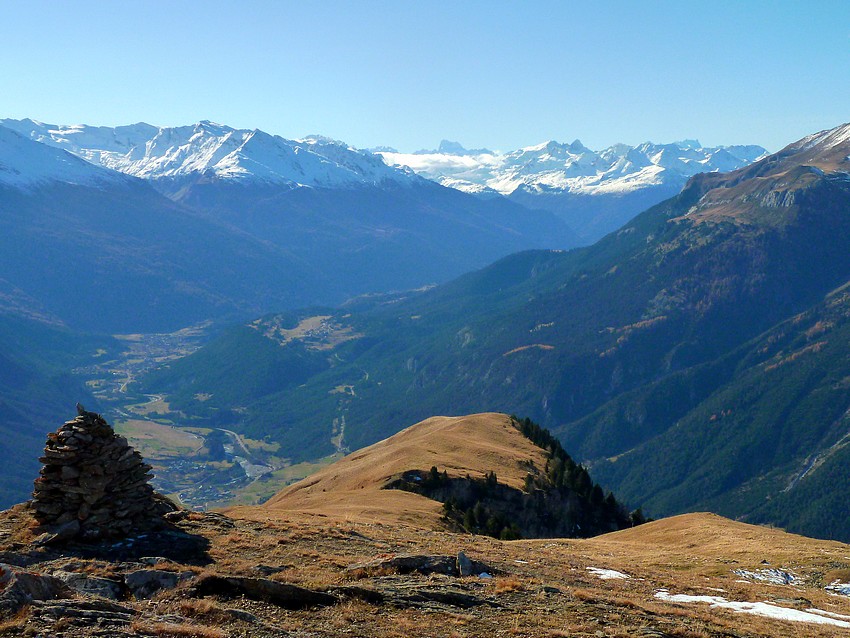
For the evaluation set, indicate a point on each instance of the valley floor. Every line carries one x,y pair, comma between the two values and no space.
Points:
227,573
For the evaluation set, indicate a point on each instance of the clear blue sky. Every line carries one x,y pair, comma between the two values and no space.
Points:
409,73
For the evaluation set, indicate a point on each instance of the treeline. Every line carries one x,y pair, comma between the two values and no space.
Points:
563,474
558,501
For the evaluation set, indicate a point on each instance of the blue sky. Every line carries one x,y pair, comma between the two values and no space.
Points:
407,74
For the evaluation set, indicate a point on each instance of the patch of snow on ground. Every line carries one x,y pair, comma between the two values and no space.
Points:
772,576
837,587
829,613
766,610
607,574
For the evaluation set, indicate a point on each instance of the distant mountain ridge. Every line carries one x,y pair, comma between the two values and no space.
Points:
594,192
553,166
215,150
26,165
162,228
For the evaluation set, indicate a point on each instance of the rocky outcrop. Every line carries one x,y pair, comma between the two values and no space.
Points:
459,565
281,594
144,583
19,587
94,484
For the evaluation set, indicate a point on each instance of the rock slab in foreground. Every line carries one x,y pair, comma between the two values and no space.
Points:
459,565
280,594
19,587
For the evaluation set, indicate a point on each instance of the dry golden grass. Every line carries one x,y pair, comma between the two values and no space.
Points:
701,537
172,630
15,625
351,490
510,583
203,609
542,588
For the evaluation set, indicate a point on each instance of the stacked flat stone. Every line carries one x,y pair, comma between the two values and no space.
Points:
94,482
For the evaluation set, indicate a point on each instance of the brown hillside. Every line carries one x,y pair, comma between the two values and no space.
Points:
708,540
352,488
769,190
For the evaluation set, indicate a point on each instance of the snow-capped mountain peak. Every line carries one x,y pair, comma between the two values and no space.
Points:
216,150
573,168
825,140
26,164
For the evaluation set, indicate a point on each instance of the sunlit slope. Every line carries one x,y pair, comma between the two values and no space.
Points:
353,488
709,536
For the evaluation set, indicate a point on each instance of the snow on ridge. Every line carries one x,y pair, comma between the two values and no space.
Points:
835,137
826,139
25,163
153,153
208,148
552,167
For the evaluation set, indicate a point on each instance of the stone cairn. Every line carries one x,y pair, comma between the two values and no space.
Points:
93,484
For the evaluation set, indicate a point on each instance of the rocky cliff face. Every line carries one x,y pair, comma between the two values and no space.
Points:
93,484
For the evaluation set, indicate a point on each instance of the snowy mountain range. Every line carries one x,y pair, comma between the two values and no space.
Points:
552,166
159,228
593,193
215,150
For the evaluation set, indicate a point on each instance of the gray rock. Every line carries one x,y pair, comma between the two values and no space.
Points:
144,583
407,563
102,612
280,594
15,559
245,616
464,565
92,585
268,570
424,564
429,596
153,560
19,587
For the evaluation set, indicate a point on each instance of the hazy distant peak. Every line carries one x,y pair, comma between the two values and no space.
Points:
447,147
455,148
688,144
382,149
